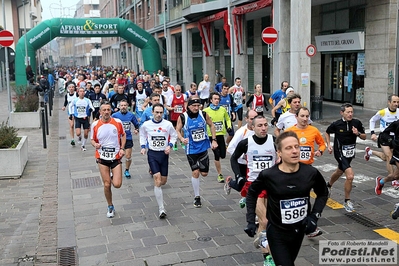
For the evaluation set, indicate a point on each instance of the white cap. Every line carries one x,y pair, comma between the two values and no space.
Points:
289,90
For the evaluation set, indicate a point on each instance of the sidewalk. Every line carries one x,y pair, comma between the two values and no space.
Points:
59,204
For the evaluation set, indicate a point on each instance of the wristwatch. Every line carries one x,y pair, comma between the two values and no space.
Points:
214,140
358,133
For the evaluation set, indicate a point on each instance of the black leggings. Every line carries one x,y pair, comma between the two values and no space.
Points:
284,244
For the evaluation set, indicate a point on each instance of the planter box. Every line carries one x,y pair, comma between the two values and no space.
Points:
13,161
25,119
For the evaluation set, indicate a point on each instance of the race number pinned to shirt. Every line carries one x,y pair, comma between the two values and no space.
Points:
305,153
178,109
127,125
157,143
293,210
81,110
259,109
198,134
218,126
348,151
261,162
96,103
107,153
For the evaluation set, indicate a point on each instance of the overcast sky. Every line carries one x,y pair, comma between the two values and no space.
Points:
53,8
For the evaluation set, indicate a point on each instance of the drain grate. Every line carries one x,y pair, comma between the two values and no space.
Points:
93,181
66,256
62,137
204,238
363,220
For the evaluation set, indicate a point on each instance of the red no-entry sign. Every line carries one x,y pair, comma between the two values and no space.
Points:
269,35
6,38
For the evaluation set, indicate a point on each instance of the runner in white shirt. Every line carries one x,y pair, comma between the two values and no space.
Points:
160,136
204,89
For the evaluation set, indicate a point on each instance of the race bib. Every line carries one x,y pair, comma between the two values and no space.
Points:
348,151
218,126
259,109
81,110
198,134
158,142
261,162
305,153
293,210
178,109
107,153
226,106
127,126
96,103
238,99
140,101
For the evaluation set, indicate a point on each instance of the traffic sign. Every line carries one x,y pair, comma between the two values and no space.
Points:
6,38
269,35
311,50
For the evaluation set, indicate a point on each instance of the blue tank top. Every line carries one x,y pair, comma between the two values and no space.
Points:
127,120
195,131
225,101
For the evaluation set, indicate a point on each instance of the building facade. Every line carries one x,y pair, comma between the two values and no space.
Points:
355,40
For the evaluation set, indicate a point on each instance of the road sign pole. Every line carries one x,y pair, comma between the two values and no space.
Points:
270,51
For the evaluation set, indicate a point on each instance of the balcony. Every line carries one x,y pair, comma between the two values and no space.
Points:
176,12
163,18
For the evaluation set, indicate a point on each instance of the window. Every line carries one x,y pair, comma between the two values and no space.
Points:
343,16
250,32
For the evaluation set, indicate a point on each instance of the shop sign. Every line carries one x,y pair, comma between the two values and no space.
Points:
90,27
340,42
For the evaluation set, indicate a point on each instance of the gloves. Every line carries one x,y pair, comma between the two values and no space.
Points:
229,129
274,121
310,223
250,229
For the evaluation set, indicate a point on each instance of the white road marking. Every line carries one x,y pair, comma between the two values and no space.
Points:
326,167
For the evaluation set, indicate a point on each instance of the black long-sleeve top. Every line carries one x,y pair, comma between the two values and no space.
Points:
288,200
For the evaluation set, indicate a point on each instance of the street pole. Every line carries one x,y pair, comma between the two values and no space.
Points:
7,68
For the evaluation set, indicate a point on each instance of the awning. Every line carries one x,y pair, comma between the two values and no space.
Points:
238,13
206,33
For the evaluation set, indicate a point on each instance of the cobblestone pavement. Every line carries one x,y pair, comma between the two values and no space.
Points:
58,207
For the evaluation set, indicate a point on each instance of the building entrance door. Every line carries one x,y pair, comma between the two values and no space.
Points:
337,77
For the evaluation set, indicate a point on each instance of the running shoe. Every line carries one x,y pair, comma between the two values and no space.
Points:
73,142
197,202
127,174
366,153
242,202
329,189
395,212
83,148
175,147
378,186
260,240
349,206
269,261
227,188
162,213
220,178
111,211
316,232
395,184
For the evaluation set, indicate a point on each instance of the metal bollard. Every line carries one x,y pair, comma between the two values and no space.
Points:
46,116
50,101
43,128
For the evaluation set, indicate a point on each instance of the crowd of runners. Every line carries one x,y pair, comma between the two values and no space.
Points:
272,173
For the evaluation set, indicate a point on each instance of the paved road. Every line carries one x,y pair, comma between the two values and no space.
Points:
57,209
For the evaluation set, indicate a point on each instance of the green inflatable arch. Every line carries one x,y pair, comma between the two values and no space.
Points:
82,27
